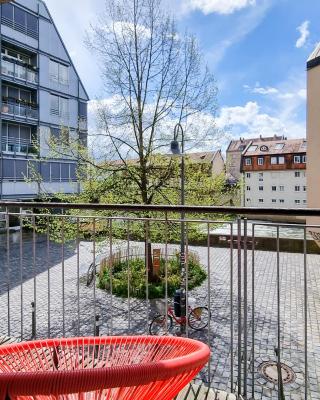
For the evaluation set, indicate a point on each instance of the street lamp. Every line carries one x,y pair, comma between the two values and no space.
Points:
175,149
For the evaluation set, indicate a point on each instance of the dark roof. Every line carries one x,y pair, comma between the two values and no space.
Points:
235,144
290,146
314,58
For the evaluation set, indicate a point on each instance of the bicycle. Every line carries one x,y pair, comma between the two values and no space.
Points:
198,319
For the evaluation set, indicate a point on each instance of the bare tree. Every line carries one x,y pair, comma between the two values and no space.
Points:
154,78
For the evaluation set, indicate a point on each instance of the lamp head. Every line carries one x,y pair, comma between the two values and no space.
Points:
175,148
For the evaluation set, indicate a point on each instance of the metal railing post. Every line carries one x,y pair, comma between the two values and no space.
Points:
97,324
239,306
33,321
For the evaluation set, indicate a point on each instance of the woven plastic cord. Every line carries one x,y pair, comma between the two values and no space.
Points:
119,367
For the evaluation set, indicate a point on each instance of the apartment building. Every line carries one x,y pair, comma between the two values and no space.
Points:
274,173
42,97
234,154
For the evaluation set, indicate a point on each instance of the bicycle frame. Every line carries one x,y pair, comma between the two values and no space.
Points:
178,320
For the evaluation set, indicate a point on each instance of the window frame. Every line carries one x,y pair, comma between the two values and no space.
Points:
57,76
273,160
295,158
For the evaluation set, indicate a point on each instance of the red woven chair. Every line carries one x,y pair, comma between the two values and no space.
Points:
126,368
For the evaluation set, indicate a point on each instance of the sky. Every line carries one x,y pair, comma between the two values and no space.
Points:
256,49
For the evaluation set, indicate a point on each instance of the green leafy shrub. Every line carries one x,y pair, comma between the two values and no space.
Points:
133,271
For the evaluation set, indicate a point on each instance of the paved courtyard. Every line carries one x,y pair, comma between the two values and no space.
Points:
122,316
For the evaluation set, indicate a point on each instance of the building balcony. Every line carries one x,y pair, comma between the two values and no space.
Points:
19,71
16,145
19,109
60,278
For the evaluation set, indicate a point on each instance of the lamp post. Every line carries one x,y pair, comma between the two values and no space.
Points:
175,149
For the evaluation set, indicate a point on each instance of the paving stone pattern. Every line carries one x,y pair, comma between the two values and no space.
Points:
132,316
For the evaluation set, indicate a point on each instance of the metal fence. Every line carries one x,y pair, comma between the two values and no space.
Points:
261,286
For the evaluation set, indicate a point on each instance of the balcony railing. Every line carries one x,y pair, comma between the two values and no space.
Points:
17,71
19,110
261,285
16,145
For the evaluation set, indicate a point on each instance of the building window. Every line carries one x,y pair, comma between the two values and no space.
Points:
248,161
59,106
248,188
248,175
260,160
304,159
296,159
297,201
281,188
274,160
260,200
260,176
60,136
261,188
281,160
304,201
20,20
281,201
297,188
297,174
274,200
279,146
304,188
274,188
248,200
59,73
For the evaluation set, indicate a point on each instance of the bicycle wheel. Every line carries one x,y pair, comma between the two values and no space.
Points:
158,325
90,273
198,318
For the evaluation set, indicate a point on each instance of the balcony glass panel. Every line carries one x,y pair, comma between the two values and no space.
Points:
14,70
19,110
16,145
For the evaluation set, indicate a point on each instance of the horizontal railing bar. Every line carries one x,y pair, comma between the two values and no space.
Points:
170,208
282,225
177,220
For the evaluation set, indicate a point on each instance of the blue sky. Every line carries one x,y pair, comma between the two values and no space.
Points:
257,50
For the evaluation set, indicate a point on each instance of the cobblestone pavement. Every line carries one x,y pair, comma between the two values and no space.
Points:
121,316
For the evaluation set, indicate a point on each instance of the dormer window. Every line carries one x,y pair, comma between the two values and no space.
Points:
252,148
279,146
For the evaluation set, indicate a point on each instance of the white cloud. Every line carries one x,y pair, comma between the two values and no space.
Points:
250,120
122,28
304,34
217,6
265,90
277,92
